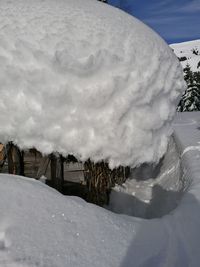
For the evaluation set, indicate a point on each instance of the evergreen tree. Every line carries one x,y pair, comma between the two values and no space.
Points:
188,75
190,100
197,77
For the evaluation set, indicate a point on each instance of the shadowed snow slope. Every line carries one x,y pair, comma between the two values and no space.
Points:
152,191
40,227
87,79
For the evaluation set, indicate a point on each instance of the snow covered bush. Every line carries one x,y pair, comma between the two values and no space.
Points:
188,54
85,79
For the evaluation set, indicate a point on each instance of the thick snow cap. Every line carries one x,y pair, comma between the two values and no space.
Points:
83,78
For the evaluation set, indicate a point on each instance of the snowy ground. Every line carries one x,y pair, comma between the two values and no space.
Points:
189,53
151,191
40,227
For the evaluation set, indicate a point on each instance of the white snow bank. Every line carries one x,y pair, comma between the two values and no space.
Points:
85,79
190,51
153,191
40,227
187,135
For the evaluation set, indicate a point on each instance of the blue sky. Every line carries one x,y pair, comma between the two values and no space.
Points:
174,20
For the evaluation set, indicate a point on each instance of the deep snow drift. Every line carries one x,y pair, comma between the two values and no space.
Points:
85,79
40,227
152,191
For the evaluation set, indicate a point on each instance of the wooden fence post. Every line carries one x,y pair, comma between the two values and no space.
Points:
15,159
57,172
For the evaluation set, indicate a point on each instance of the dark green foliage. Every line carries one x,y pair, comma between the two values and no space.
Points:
188,75
196,76
190,100
195,51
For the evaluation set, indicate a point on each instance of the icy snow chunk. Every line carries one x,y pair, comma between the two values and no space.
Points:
85,79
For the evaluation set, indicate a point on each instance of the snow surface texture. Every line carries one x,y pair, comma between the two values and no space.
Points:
190,51
152,191
40,227
85,79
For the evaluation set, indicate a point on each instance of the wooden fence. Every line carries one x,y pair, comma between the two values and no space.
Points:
89,180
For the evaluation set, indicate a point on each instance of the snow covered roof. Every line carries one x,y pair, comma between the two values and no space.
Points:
86,79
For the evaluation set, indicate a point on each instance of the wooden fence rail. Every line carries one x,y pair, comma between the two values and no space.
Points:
93,181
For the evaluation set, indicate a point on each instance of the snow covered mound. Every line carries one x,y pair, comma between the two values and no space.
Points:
39,227
85,79
188,53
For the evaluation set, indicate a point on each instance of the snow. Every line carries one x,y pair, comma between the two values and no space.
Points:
163,185
151,191
85,79
40,227
185,49
187,129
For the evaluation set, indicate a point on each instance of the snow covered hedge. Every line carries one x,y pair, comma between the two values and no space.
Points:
86,79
